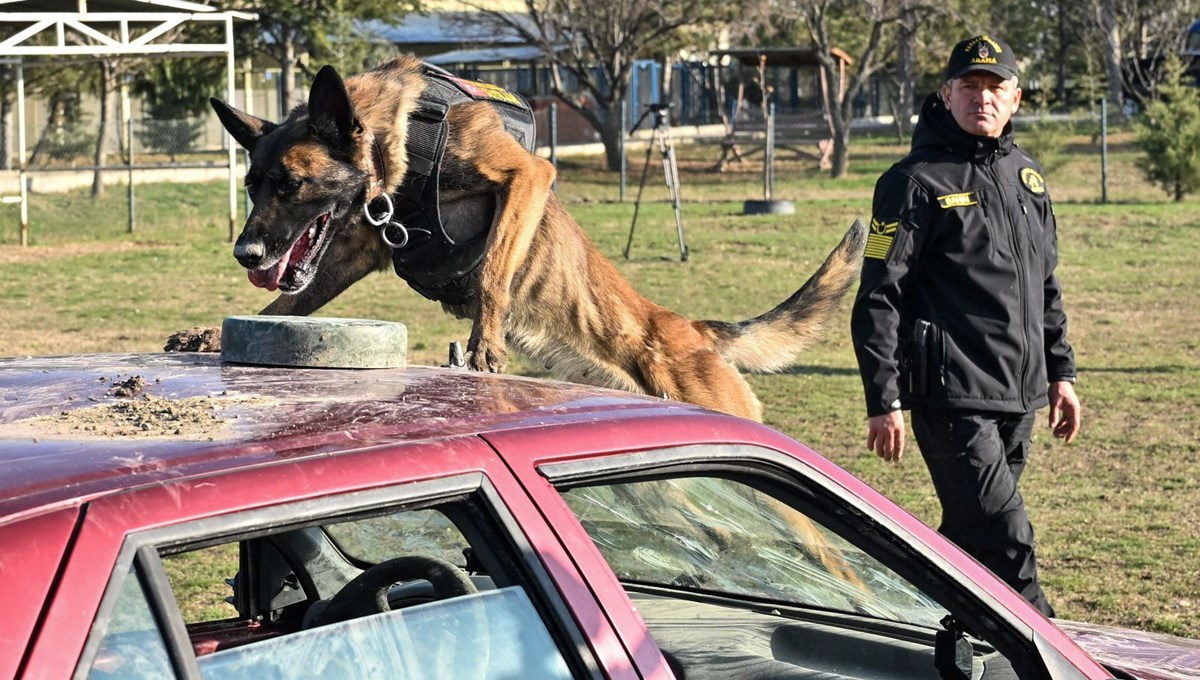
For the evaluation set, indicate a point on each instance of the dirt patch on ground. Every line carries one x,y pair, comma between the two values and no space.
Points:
25,254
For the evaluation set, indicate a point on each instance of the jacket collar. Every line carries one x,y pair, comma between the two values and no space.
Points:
936,127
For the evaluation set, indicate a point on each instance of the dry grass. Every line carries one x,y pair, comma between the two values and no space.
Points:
1117,512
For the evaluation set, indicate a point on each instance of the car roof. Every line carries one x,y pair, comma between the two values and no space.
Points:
76,427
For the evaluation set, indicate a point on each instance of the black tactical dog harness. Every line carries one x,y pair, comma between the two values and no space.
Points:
440,261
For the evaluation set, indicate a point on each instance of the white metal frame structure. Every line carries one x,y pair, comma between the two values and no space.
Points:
45,29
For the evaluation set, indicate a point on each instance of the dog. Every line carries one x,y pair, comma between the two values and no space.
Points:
325,183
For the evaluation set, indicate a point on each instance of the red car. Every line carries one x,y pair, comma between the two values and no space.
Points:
170,515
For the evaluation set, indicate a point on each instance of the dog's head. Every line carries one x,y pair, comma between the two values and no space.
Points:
306,179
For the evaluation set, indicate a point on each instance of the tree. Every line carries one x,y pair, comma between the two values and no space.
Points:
1169,132
174,94
1110,41
323,30
598,43
1135,38
865,24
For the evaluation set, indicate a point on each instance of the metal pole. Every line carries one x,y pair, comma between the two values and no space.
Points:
22,176
129,140
229,92
554,141
769,155
624,125
126,114
1104,150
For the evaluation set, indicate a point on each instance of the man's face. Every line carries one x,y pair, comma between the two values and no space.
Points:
982,103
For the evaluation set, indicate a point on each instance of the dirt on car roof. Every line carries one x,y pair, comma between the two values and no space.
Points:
143,416
135,412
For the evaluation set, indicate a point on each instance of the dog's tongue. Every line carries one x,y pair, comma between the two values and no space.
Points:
268,278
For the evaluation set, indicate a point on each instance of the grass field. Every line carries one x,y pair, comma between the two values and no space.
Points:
1117,512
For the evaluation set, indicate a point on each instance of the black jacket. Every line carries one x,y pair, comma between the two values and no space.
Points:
959,306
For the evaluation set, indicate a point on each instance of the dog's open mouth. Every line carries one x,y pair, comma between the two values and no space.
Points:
295,269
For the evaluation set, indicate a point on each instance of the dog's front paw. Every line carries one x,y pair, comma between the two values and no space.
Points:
196,339
488,358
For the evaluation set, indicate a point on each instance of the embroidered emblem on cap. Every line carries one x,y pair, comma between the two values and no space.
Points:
1033,181
879,239
983,50
956,200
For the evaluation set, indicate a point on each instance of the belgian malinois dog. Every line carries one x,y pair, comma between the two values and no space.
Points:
322,182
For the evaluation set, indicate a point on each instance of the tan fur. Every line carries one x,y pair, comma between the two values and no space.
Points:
544,286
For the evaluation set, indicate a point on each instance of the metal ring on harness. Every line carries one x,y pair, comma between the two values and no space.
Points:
387,216
383,234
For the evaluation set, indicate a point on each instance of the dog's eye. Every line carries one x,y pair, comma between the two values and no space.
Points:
290,186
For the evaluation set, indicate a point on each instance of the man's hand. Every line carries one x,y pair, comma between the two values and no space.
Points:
885,435
1064,410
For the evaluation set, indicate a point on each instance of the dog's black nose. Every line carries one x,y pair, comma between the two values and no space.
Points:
249,253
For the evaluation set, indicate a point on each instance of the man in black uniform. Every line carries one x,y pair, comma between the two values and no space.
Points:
959,316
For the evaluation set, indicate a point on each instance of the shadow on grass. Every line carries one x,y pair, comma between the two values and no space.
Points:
818,370
1168,368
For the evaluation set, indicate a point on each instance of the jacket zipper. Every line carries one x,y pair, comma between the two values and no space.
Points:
1029,231
1018,261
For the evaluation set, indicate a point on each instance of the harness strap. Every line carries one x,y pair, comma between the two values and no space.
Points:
439,262
427,134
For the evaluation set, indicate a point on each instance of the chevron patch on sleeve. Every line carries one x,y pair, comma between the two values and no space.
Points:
879,239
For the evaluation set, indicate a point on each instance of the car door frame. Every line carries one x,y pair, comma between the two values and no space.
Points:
596,450
119,528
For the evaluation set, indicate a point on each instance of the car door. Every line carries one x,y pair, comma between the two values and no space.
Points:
422,560
740,553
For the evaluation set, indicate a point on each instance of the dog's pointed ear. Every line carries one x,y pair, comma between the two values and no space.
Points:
246,129
330,112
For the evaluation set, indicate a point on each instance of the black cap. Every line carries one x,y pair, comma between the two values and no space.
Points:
981,53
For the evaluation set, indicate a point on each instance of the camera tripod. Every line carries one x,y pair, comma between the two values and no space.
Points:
666,148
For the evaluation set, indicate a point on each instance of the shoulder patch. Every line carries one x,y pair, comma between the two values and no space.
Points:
956,200
1033,181
879,239
478,90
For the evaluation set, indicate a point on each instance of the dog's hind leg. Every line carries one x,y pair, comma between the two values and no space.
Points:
680,364
522,184
704,378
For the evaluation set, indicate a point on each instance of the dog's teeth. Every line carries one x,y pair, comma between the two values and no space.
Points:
312,232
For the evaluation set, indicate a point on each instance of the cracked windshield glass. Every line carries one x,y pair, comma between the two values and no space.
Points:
717,535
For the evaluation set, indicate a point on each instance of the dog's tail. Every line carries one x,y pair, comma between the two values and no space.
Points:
771,341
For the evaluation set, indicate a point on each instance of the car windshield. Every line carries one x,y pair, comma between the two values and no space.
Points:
719,535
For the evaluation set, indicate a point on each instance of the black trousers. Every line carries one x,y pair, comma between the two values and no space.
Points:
976,460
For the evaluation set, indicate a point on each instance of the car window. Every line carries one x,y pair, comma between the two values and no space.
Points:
734,578
424,641
443,589
723,536
198,579
132,646
375,539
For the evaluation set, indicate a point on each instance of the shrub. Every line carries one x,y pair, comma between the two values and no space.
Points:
172,137
1169,133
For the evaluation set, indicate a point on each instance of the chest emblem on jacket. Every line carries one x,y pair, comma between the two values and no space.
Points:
879,239
956,200
1033,181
